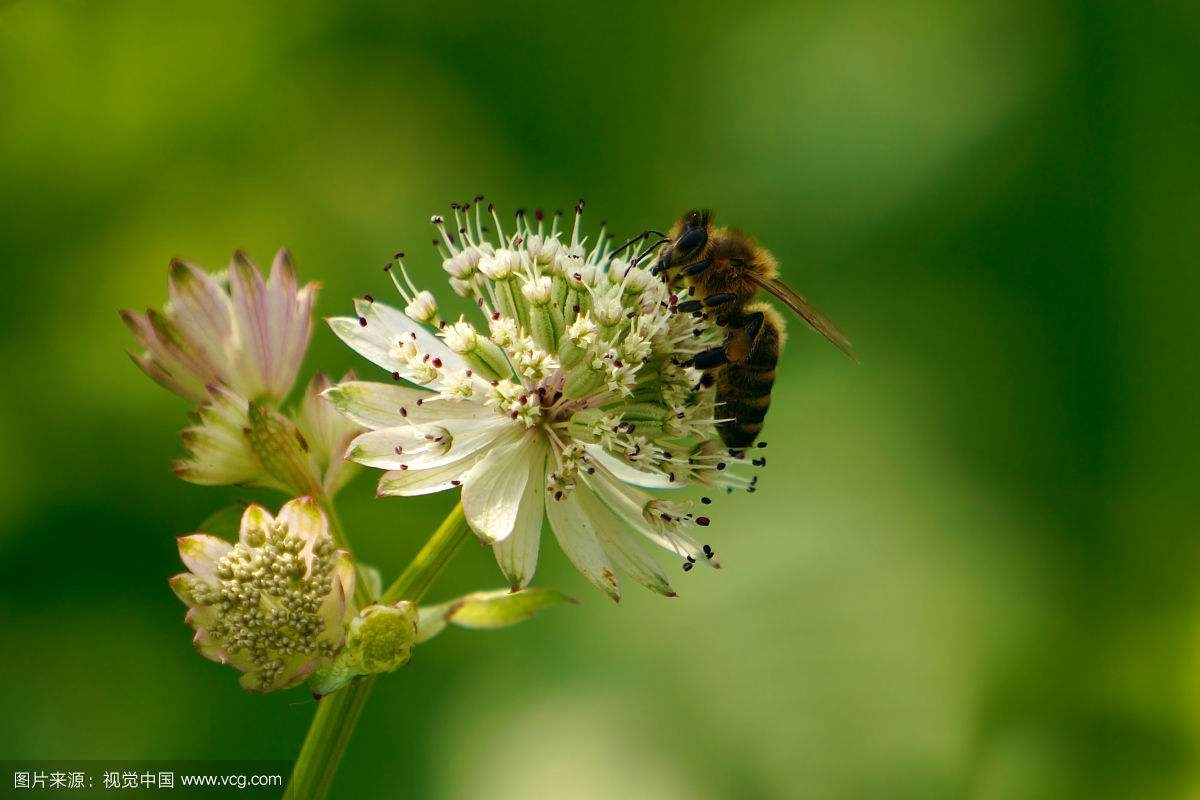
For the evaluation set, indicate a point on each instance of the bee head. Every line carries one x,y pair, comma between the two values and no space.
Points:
693,233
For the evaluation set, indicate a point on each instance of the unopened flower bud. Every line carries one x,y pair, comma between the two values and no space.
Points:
537,291
379,639
423,308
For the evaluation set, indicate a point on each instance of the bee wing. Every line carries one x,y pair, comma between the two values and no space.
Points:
809,313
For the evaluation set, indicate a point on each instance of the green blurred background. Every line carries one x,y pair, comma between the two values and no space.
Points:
970,570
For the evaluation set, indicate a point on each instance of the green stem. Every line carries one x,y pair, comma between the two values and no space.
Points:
338,713
416,579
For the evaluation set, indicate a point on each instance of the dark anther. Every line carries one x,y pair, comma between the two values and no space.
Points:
687,566
362,321
703,522
708,551
368,298
399,256
691,560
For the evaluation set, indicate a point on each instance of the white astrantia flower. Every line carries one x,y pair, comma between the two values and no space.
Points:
276,604
235,330
572,393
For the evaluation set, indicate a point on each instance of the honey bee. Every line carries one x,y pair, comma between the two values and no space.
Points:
724,269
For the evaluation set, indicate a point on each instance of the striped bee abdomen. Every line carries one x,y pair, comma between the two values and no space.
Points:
744,386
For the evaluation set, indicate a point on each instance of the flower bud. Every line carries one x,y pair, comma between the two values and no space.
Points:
423,308
379,639
501,265
537,291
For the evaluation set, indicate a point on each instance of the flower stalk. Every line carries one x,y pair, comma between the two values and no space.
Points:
337,715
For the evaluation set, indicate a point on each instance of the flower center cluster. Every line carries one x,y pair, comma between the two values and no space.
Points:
269,598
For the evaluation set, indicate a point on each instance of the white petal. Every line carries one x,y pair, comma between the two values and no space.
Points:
251,317
202,310
306,521
517,555
218,453
412,482
628,504
577,536
281,312
289,309
372,343
201,552
409,447
618,541
377,405
255,525
493,488
629,473
401,327
160,364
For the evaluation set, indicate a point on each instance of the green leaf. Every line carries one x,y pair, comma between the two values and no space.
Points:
487,610
224,523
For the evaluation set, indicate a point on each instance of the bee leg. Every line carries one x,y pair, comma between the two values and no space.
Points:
710,358
689,306
720,299
697,268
